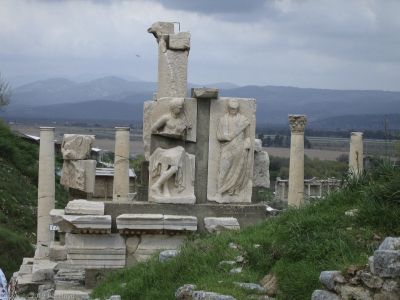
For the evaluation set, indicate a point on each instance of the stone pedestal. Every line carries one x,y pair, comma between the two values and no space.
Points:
121,164
46,190
296,166
356,153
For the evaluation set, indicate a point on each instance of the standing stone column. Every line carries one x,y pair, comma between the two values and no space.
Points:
296,166
46,190
356,153
121,164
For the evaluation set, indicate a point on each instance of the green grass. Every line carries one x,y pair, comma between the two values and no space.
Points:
296,246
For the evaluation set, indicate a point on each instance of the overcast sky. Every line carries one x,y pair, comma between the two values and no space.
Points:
340,44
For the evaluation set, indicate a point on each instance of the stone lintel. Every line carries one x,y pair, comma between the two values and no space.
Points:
205,93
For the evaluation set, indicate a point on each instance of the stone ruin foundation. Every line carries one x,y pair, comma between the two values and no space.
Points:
200,153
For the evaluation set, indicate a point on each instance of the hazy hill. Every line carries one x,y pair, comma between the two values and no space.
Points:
61,98
360,122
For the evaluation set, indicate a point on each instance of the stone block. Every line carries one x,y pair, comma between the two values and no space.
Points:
43,270
180,223
261,167
45,292
167,254
204,295
324,295
131,244
371,281
70,294
84,207
231,150
79,175
140,222
390,243
204,93
76,146
213,224
354,292
330,278
57,252
387,263
151,244
69,278
254,287
85,223
179,41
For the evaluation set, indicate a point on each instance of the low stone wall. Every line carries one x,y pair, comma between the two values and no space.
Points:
379,281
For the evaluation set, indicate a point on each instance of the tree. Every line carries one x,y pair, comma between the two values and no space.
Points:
5,92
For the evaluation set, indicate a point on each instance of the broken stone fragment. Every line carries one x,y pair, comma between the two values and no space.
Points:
79,175
84,207
167,255
96,223
330,278
251,287
213,224
390,243
179,41
324,295
387,263
204,93
180,223
77,146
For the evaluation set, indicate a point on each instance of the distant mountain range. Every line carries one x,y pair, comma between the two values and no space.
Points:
113,98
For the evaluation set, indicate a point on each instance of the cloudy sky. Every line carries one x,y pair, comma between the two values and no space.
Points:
340,44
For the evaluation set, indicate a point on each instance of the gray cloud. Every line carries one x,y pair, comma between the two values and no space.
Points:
331,44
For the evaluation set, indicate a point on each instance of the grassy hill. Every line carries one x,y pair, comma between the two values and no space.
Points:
295,246
18,199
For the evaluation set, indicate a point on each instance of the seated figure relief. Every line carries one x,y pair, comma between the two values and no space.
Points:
174,124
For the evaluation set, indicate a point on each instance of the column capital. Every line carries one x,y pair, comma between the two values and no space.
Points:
297,123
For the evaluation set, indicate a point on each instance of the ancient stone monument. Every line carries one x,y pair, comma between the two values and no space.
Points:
296,166
356,154
121,164
199,177
46,190
261,166
78,172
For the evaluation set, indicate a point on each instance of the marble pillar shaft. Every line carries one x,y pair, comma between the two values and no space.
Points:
46,185
356,153
121,164
296,165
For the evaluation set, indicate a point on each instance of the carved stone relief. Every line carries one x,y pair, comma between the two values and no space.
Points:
76,146
171,176
231,150
79,174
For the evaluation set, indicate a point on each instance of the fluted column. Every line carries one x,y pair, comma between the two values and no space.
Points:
121,164
46,190
296,166
356,153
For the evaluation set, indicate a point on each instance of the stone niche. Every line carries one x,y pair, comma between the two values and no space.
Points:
173,118
231,150
172,175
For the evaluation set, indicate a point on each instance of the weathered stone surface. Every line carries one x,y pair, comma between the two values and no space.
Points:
151,244
140,221
79,174
121,164
390,243
371,281
46,189
84,207
179,41
261,166
386,296
356,154
231,150
391,286
387,263
324,295
45,292
77,146
251,287
180,223
93,223
204,295
172,63
270,283
185,292
131,244
69,278
43,270
70,294
219,224
148,107
354,292
172,174
204,93
296,165
236,270
330,278
167,254
95,251
57,251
